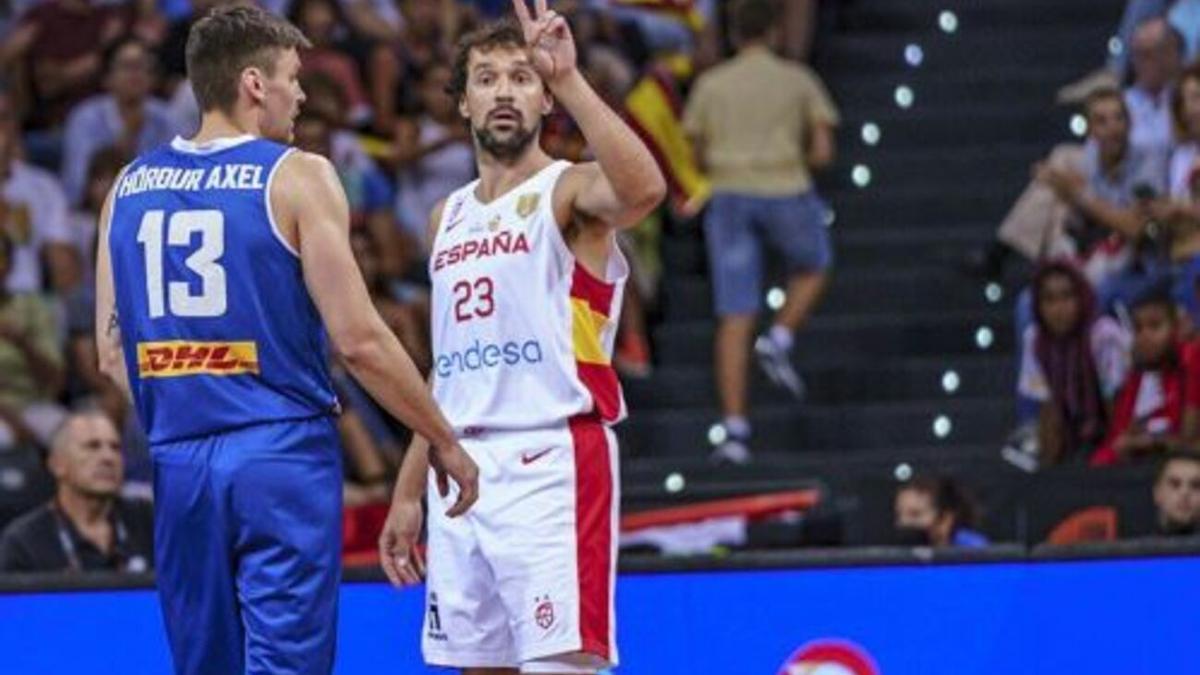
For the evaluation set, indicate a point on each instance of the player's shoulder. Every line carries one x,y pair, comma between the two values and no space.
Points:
300,168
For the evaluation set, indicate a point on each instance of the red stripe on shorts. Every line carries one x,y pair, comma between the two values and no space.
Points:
593,531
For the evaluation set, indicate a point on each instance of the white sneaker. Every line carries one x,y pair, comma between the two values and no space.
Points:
776,363
731,451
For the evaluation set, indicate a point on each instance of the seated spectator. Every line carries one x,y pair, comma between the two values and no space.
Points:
1073,361
935,512
31,362
1157,60
1182,15
322,23
433,154
760,158
1083,201
1177,495
88,526
1148,414
1179,213
33,214
126,116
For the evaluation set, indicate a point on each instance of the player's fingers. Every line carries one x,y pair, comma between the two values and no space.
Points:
557,26
408,571
468,492
387,561
539,6
443,482
522,11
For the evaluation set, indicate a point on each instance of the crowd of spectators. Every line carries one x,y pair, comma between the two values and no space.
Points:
87,85
1106,328
1108,372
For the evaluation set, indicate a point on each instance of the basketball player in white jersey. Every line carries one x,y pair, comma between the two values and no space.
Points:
527,282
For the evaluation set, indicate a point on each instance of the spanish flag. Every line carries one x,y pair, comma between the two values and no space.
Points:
656,113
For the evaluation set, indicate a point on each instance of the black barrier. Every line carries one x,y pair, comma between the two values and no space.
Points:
740,560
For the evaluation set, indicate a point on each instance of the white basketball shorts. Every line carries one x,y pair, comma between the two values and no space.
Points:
528,573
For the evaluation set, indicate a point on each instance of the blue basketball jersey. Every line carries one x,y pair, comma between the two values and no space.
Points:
218,328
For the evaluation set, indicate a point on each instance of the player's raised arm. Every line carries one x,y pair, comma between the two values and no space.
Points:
306,192
110,355
625,183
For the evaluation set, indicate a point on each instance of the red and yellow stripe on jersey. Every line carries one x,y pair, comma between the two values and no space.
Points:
593,311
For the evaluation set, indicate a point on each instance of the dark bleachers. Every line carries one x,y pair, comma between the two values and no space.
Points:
898,314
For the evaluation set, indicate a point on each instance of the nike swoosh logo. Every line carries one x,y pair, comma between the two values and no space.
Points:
527,458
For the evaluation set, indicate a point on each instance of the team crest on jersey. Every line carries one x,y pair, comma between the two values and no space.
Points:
543,614
527,204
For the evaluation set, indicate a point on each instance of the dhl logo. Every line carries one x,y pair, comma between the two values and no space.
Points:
178,358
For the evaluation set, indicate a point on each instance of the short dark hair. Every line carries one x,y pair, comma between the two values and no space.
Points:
503,33
109,57
1174,456
1105,93
947,497
1192,72
227,41
753,19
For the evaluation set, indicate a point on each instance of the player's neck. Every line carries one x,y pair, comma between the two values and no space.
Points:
497,177
217,125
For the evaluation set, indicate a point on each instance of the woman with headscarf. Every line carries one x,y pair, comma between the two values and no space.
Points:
1073,363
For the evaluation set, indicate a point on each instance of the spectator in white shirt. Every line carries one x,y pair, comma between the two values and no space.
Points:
1157,54
33,213
125,116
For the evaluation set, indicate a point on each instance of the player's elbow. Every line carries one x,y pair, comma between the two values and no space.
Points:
649,194
358,348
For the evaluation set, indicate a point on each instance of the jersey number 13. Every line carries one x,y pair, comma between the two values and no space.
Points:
210,225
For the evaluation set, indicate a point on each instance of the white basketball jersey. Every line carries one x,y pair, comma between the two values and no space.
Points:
522,333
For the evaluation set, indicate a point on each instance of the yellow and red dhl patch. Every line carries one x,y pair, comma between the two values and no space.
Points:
178,358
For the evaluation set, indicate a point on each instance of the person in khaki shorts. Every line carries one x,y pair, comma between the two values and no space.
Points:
760,124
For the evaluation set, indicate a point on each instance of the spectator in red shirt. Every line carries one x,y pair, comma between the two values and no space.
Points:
1148,412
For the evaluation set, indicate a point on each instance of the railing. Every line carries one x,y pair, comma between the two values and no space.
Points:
799,559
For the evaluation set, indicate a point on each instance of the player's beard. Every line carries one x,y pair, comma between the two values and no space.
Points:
509,147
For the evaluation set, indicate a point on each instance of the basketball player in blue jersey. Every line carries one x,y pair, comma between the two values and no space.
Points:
220,259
